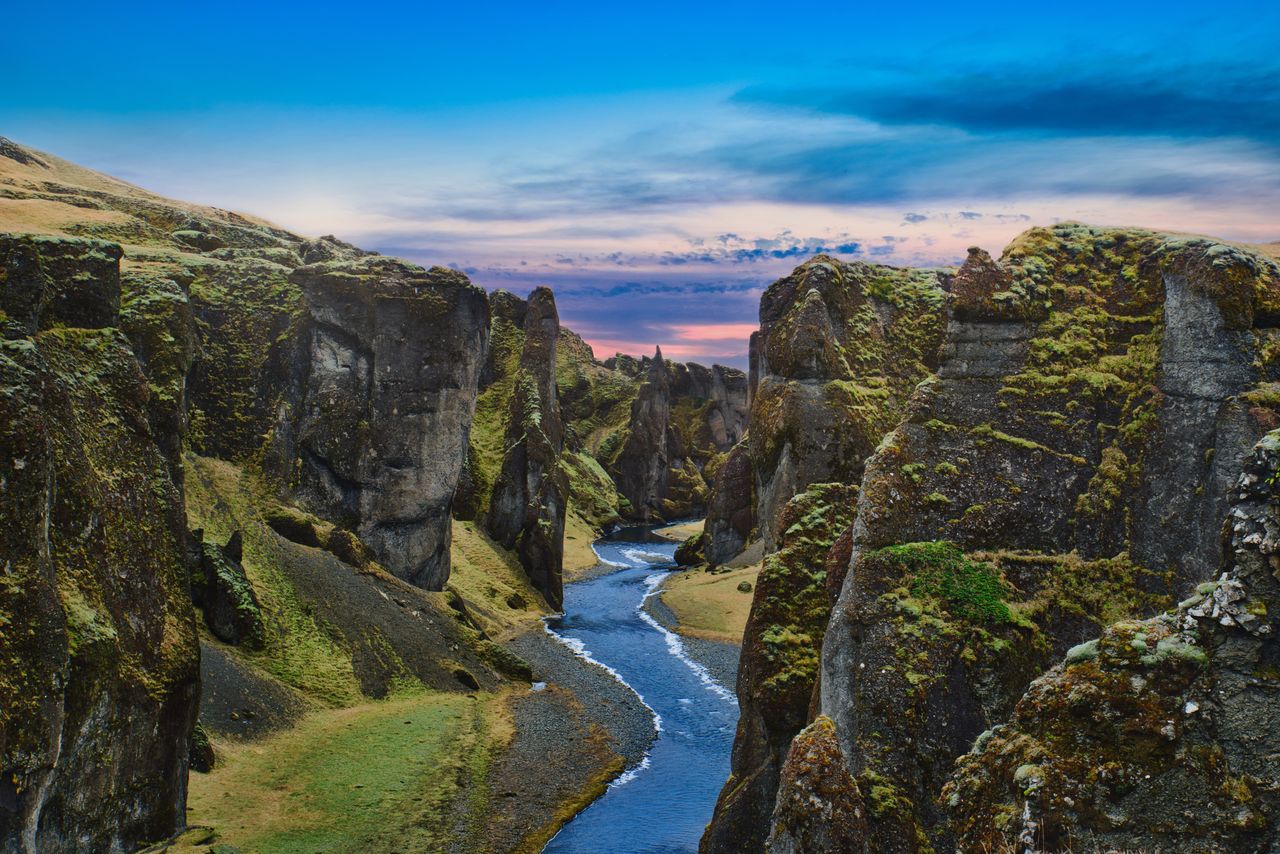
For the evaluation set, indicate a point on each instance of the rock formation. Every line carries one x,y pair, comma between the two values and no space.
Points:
1161,734
98,652
1068,467
683,417
379,391
840,348
527,507
779,662
221,589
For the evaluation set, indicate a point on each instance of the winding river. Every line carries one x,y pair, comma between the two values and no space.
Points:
662,804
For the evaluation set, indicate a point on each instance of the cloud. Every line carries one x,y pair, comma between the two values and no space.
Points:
739,332
1117,96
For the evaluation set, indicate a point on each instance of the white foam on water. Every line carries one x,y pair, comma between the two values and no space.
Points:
675,645
578,648
641,557
605,561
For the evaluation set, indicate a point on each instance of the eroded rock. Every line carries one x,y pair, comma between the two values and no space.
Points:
373,424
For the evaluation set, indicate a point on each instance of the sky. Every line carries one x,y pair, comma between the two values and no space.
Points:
660,164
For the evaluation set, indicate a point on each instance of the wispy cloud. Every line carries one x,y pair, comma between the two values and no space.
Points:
1126,96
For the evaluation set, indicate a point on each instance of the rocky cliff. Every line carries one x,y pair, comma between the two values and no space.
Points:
683,419
528,502
1161,733
98,653
840,348
1068,466
379,381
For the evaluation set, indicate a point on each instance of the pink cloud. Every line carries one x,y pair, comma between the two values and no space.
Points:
739,332
678,351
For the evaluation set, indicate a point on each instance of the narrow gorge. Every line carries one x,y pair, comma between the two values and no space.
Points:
309,548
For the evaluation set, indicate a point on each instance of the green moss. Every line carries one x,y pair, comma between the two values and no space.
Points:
939,570
298,649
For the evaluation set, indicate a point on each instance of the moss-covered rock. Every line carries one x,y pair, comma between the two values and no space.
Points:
98,649
378,382
530,496
221,589
1160,733
1069,466
778,668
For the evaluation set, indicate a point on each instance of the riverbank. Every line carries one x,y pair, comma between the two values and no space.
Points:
678,532
709,605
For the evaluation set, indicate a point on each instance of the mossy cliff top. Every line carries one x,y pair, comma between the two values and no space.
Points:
840,348
1068,466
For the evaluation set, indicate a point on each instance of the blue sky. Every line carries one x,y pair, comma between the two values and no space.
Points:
658,165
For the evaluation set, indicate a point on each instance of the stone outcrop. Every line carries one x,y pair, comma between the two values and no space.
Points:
379,386
642,468
98,650
1069,466
778,667
1161,734
840,348
221,589
683,418
527,507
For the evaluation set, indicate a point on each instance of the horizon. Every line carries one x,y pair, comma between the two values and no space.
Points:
648,167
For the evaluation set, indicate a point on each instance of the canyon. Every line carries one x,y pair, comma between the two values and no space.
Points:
1011,529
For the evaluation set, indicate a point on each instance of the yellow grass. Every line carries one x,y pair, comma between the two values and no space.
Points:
578,554
497,591
680,531
710,605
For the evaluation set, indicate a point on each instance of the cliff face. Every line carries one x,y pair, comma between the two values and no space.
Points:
1161,733
683,418
1069,466
98,653
779,662
379,386
527,507
840,348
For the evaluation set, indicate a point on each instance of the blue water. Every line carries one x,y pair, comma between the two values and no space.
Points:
663,804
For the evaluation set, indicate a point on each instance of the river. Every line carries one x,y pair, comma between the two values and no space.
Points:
661,805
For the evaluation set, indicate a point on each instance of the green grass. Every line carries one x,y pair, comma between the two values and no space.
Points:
222,498
373,778
969,589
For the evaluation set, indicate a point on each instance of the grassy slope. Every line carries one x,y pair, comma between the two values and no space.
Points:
299,652
375,777
709,604
578,554
497,591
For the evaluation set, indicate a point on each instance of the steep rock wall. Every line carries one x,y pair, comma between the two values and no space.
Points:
98,651
379,388
839,350
1067,468
529,499
1160,733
